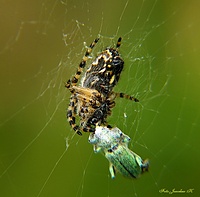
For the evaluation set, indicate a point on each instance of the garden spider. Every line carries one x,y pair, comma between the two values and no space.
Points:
93,99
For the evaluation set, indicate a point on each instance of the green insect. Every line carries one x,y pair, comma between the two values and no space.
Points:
114,144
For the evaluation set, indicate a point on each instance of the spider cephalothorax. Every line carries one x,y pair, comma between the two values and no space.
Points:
93,99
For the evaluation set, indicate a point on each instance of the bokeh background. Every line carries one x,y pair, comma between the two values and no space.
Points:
42,43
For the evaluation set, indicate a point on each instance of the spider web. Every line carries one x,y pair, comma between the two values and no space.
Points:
41,48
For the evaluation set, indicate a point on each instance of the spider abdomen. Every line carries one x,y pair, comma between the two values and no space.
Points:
104,72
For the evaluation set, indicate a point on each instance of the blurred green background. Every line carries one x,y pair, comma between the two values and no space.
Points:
42,43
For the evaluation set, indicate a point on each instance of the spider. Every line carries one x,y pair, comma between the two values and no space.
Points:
93,99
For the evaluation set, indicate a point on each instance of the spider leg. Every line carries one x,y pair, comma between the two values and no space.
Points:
118,42
68,84
126,96
71,115
81,66
88,129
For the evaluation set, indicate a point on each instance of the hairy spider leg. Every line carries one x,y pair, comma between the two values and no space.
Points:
71,115
82,64
118,42
126,96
